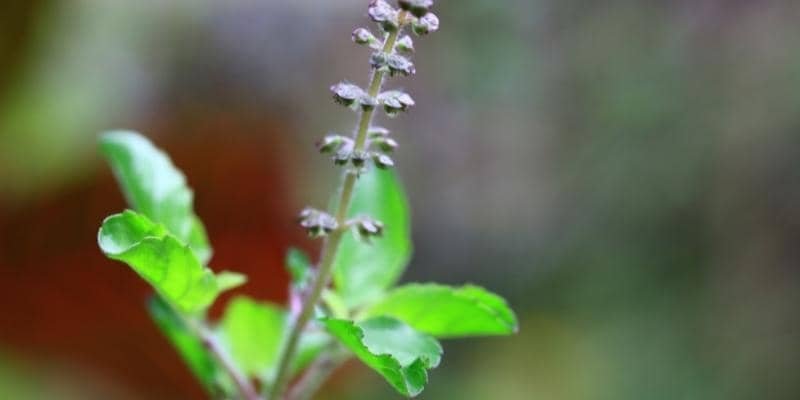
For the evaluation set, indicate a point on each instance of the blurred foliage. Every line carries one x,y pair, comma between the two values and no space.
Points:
626,171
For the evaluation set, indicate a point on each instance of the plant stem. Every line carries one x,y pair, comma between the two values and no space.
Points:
317,374
243,384
331,245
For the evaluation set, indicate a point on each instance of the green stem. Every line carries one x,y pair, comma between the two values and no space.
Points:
317,373
221,356
331,245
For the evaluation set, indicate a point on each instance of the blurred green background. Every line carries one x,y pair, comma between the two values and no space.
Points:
626,173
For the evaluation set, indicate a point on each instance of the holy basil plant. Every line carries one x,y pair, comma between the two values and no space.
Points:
346,304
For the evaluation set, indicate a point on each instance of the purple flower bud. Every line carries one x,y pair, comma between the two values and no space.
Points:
367,102
400,65
385,15
395,101
363,36
386,144
377,132
346,94
331,143
317,223
425,25
405,45
382,161
369,227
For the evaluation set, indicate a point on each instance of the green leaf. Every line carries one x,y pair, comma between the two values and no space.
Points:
154,187
227,280
448,312
189,347
391,348
362,271
254,333
161,260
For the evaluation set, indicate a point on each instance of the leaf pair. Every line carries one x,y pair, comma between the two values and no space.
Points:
395,329
154,187
396,338
165,242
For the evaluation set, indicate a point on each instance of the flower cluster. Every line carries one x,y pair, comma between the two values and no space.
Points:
317,223
391,51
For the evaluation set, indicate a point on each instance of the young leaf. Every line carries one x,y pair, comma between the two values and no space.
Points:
391,348
227,280
448,312
154,187
162,260
362,271
254,333
186,343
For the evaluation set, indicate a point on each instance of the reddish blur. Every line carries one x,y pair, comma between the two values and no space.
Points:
60,299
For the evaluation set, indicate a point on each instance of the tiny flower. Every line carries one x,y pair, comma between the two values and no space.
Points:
368,227
367,102
342,157
384,14
317,223
377,132
405,45
364,36
416,7
400,65
358,158
379,61
386,144
343,153
425,25
346,94
331,143
305,214
395,101
382,161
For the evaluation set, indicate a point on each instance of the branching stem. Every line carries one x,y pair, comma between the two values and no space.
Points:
331,245
221,356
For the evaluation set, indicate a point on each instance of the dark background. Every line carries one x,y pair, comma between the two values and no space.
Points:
626,173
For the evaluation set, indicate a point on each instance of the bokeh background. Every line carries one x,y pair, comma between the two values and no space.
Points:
626,173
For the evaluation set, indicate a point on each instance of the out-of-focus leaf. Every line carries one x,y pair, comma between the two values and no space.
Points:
393,349
253,332
189,347
362,271
335,304
154,187
198,241
161,260
448,312
227,280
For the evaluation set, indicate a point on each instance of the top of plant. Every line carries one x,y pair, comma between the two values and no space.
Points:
393,330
